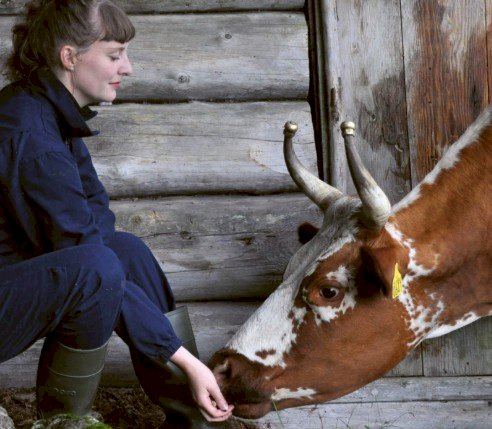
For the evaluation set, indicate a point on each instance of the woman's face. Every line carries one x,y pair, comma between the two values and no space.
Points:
98,72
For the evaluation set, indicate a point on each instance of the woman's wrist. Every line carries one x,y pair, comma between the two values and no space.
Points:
185,360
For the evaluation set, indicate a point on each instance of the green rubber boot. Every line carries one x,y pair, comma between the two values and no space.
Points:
68,378
165,384
180,321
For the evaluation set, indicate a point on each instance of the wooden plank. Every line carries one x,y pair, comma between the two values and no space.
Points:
446,74
192,148
373,92
159,6
213,325
411,366
467,351
407,389
403,415
250,56
488,18
220,247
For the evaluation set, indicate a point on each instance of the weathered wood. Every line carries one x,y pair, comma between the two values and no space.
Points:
248,56
467,351
159,6
221,247
320,83
411,366
191,148
488,17
445,63
372,93
213,325
404,415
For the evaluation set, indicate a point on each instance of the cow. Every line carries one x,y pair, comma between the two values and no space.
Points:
372,283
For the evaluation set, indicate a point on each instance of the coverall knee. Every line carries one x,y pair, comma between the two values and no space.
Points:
74,295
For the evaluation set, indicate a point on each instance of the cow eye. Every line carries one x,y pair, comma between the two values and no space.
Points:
329,292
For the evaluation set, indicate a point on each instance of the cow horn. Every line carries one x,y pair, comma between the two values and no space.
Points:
376,207
317,190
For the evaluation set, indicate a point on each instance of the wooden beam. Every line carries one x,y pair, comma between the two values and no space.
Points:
213,325
159,6
371,91
446,74
405,415
488,23
463,352
193,148
221,247
250,56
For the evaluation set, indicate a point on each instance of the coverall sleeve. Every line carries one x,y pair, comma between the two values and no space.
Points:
97,196
53,207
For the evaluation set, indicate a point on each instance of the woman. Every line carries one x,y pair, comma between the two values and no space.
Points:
65,273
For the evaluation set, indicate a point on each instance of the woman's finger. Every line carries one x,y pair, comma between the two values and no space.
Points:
218,398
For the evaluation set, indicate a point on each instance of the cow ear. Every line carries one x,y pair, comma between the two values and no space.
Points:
306,232
383,267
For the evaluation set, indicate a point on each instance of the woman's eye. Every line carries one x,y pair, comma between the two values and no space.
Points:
329,292
114,58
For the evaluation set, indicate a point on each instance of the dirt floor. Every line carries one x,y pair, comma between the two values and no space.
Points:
120,408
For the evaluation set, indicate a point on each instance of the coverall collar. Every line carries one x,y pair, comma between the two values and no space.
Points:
70,115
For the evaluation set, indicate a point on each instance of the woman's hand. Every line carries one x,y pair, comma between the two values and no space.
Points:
204,387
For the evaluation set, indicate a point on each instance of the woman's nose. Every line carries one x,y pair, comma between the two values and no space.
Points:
126,68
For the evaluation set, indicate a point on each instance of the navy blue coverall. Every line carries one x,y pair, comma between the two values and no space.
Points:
64,270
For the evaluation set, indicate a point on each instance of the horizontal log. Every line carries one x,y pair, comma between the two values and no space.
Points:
213,325
220,247
403,415
159,6
190,148
247,56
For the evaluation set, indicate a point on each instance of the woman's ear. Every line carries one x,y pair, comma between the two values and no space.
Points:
68,57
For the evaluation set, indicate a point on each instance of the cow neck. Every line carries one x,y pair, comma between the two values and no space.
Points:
449,227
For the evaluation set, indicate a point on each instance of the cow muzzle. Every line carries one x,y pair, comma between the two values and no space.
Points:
242,384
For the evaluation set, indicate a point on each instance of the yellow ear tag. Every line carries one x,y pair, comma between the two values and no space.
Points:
397,283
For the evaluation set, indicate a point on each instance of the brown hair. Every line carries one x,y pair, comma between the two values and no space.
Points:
48,24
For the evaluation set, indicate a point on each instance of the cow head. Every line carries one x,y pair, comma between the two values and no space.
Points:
333,325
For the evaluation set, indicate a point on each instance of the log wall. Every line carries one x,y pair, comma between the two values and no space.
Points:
191,154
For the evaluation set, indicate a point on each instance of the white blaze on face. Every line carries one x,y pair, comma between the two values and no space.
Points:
270,331
299,393
269,334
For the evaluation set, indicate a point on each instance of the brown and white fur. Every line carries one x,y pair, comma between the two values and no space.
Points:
333,325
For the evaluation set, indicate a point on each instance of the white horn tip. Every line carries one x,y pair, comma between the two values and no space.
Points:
290,128
348,128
